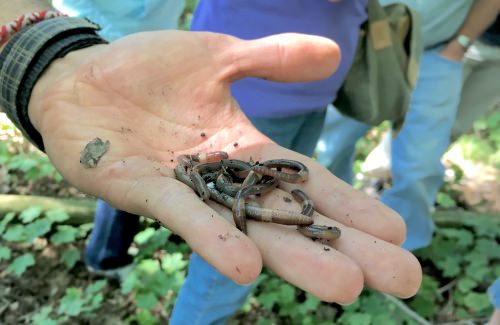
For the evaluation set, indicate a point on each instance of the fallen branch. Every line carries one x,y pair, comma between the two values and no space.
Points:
80,210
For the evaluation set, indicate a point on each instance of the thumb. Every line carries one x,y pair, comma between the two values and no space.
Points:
284,57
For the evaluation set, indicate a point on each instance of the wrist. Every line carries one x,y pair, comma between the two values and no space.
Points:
57,76
28,54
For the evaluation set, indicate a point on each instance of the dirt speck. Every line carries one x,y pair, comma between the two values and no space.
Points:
235,144
224,237
287,199
326,249
202,134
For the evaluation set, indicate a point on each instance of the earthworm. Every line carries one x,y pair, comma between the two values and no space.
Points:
238,207
196,171
197,179
313,231
301,175
202,157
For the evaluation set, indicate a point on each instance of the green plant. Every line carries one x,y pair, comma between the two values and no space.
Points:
157,276
462,258
76,302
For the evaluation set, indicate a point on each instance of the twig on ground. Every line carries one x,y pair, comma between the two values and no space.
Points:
447,286
407,310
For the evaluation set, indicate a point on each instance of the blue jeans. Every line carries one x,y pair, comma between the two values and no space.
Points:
207,296
110,239
417,172
494,293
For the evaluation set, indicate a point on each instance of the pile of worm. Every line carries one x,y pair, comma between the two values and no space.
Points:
231,182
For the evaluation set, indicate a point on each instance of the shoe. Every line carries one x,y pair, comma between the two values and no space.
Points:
120,273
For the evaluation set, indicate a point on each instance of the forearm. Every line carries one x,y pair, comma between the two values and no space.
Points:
10,10
481,16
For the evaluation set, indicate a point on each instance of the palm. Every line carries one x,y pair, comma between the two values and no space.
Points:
155,96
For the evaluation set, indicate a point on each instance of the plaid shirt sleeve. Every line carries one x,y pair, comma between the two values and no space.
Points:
21,57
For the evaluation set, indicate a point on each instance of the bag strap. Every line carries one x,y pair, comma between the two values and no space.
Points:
375,11
378,26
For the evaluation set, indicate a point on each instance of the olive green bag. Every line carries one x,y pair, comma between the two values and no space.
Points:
385,67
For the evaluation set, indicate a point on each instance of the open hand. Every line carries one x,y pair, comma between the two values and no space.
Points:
157,95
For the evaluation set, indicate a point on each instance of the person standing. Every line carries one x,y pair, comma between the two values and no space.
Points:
448,29
292,115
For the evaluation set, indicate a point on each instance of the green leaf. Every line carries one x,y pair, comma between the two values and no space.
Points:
466,284
65,234
5,220
356,319
488,247
385,319
58,177
42,317
72,303
477,272
37,229
483,226
14,233
146,300
496,271
268,299
57,215
374,304
263,321
160,283
96,287
174,262
5,253
130,283
143,236
148,266
477,301
70,256
355,306
96,301
21,263
424,303
445,200
477,258
423,306
151,241
30,214
310,304
26,164
462,313
286,293
144,317
84,229
463,237
450,266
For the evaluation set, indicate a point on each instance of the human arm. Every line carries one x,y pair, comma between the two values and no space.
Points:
152,95
480,17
